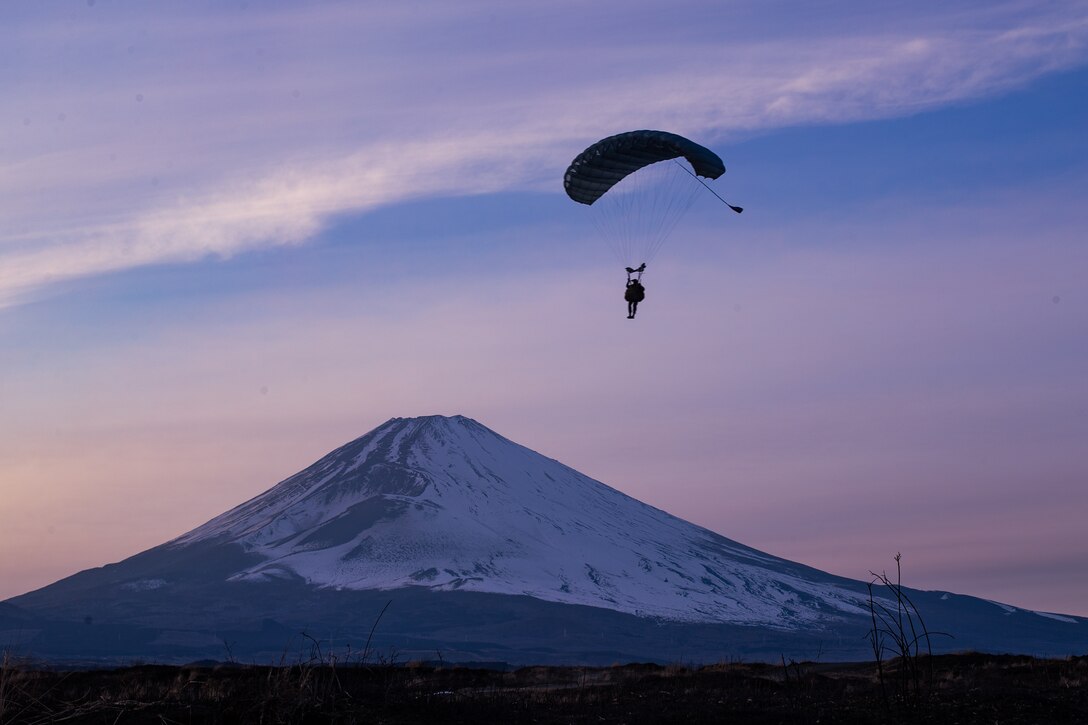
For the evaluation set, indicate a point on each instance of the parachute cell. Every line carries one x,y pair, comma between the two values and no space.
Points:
605,163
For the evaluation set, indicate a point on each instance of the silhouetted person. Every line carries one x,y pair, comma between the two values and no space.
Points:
634,294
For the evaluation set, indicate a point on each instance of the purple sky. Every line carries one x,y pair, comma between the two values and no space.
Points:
236,236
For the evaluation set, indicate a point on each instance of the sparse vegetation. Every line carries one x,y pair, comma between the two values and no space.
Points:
900,629
966,688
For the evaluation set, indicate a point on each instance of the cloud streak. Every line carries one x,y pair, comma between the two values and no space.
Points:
214,140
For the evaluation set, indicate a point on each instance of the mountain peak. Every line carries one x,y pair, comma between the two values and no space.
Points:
398,460
446,503
437,419
431,421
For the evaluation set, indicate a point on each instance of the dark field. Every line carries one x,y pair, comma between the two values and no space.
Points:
962,688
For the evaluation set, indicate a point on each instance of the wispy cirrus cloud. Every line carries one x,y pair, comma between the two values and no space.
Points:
214,133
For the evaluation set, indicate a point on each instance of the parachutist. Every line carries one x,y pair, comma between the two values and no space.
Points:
634,294
636,217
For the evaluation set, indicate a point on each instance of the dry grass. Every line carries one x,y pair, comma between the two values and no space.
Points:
967,688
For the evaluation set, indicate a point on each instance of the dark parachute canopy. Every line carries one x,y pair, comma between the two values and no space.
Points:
607,162
638,185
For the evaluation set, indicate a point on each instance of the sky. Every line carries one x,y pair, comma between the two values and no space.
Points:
236,235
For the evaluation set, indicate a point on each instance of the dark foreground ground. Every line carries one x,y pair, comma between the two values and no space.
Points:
964,688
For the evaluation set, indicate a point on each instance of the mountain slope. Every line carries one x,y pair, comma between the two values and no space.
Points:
485,550
446,503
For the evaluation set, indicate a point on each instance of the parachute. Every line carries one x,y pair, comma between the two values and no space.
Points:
640,184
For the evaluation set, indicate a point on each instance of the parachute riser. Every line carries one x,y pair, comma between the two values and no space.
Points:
737,209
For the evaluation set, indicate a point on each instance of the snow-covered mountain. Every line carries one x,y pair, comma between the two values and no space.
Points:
446,503
482,549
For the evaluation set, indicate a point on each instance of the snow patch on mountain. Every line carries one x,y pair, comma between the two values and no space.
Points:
1057,617
446,503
